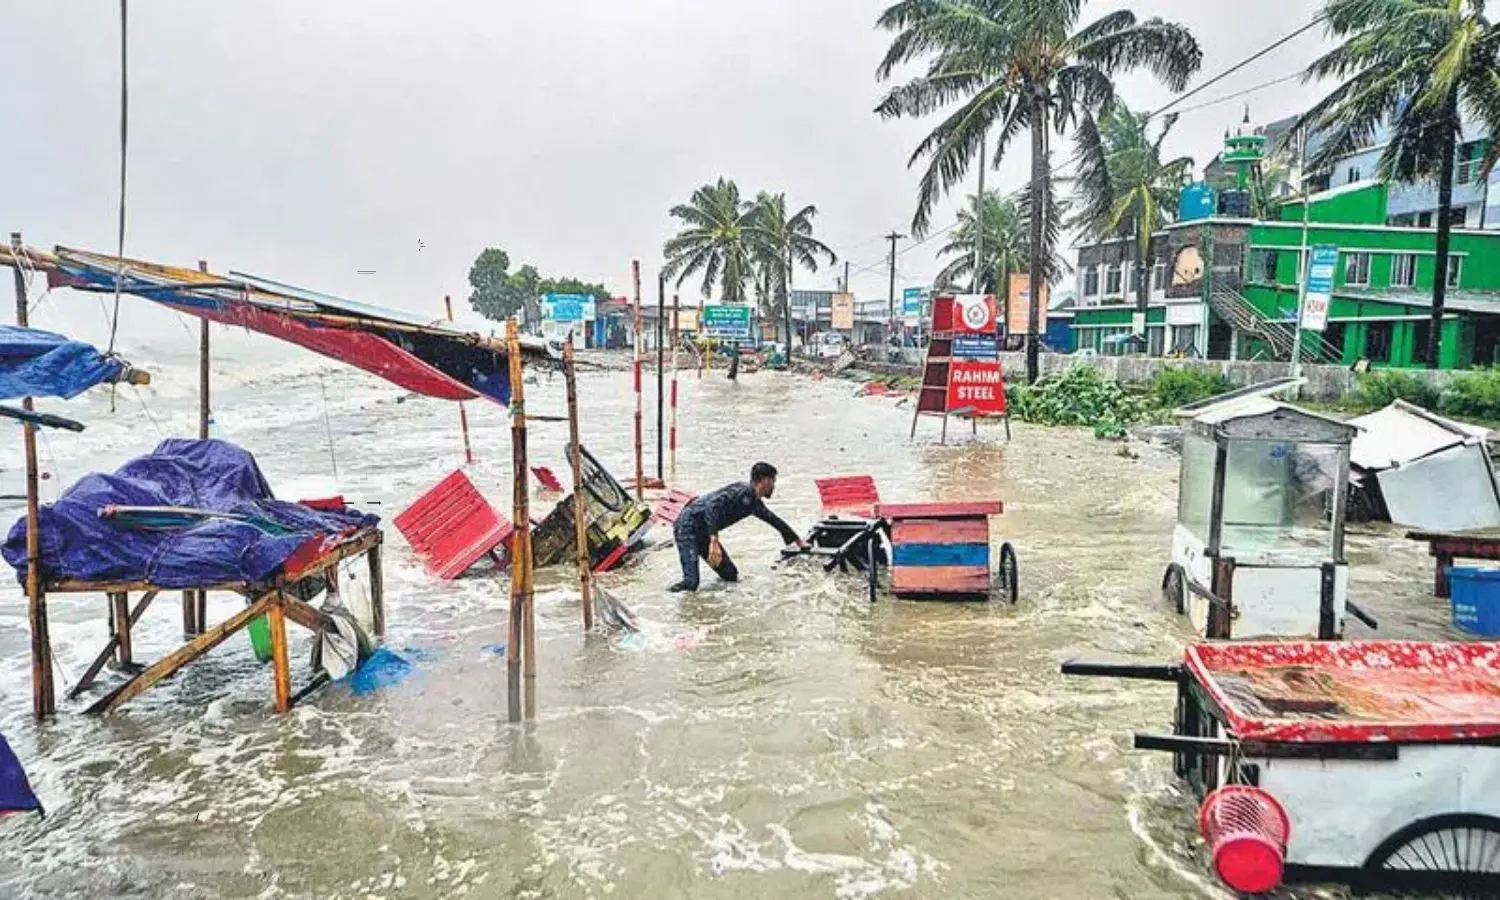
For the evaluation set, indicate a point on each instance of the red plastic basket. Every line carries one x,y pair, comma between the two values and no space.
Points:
1247,831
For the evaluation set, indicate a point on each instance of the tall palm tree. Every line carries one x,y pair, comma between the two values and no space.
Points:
718,242
1126,189
1417,66
783,243
1003,227
1014,65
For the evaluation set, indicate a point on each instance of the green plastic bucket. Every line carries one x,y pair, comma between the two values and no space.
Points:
260,638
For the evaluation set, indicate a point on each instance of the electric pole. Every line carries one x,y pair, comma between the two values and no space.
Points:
845,288
890,323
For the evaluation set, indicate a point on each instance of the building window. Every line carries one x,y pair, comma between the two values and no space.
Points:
1424,220
1403,270
1263,266
1460,217
1355,174
1421,334
1091,281
1333,337
1470,157
1112,281
1157,338
1357,269
1159,277
1455,268
1378,339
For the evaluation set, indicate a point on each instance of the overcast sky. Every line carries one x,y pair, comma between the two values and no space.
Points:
306,141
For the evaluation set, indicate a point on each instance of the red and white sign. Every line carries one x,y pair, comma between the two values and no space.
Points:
974,313
977,385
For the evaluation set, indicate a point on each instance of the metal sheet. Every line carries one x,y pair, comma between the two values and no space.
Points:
1400,434
1452,490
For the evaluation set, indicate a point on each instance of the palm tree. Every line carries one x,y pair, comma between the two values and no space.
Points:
782,244
1416,66
1014,65
1125,189
1004,231
718,242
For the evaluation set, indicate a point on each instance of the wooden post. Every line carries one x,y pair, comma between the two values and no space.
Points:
377,592
580,504
43,701
463,414
280,664
676,340
661,373
521,619
119,604
640,471
195,603
109,649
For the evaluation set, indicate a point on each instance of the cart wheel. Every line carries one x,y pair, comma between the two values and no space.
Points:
1010,573
1174,589
1455,855
871,548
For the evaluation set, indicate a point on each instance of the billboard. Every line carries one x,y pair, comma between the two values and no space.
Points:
568,307
1018,306
974,313
1325,260
843,312
727,322
977,386
913,299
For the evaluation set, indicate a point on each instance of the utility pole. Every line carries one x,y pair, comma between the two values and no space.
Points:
979,221
890,323
846,277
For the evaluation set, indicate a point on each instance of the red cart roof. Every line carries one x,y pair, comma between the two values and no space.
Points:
1353,692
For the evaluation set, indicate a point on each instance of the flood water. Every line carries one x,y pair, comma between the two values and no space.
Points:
776,738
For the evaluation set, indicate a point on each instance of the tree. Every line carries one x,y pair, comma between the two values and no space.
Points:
1005,246
718,241
781,244
1014,65
499,293
1416,66
1125,189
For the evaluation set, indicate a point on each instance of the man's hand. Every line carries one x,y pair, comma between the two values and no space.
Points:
804,546
715,552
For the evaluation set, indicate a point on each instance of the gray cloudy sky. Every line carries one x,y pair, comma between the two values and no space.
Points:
307,140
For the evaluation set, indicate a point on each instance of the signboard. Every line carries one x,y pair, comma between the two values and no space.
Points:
1183,314
1018,307
912,301
727,322
977,386
843,312
565,307
974,313
1325,259
976,346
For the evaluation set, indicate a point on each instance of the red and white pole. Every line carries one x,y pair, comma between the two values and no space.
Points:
672,430
640,466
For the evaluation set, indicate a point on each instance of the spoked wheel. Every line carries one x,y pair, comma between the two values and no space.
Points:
1010,573
1451,856
1174,589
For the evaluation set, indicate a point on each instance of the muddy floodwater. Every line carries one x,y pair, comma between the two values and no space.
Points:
776,738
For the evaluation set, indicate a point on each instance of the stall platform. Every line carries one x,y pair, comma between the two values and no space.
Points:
1446,546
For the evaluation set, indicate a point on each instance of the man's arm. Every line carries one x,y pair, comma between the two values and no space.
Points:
764,513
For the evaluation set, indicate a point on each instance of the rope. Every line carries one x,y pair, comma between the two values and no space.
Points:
114,325
154,424
328,425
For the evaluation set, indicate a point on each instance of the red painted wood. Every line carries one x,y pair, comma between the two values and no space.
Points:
853,495
939,510
940,580
670,507
941,531
452,526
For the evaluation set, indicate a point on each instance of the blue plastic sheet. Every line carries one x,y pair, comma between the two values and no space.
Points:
211,475
37,363
381,669
15,791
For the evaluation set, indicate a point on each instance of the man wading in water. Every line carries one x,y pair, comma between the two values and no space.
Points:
697,529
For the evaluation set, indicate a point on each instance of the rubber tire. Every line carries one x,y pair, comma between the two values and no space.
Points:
1389,847
1174,589
1010,573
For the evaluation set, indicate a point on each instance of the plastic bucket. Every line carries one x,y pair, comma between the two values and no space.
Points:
1247,832
1476,599
260,638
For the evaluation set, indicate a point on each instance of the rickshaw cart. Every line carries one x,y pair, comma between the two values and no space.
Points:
1381,759
1258,550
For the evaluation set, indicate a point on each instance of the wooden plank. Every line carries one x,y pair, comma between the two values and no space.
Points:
306,616
280,664
180,657
125,652
377,591
939,510
941,555
953,580
937,531
99,662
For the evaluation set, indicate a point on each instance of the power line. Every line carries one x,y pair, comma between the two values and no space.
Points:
1316,20
1238,94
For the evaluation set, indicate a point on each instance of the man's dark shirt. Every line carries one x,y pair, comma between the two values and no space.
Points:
717,510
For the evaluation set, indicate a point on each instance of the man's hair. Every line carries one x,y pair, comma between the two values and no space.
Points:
761,470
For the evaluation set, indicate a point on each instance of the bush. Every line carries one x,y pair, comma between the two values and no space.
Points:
1474,395
1078,396
1381,389
1178,387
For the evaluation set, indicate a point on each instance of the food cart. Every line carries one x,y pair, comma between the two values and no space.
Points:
1371,763
1258,550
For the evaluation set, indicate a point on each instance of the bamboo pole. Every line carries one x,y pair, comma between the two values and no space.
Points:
280,663
522,621
661,373
676,340
640,471
463,414
43,701
580,505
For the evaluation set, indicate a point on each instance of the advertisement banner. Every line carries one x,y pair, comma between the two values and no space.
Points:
976,386
913,299
727,322
843,312
565,307
1320,271
976,346
1018,307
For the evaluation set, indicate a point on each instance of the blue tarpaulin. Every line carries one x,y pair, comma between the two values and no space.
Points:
77,544
15,791
37,363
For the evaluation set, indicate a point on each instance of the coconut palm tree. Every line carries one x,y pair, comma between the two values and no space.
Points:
719,241
1125,189
782,244
1416,66
1004,230
1013,66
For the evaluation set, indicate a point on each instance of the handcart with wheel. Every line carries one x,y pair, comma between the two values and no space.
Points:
1375,764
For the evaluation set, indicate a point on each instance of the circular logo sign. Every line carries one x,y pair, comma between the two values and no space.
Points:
974,313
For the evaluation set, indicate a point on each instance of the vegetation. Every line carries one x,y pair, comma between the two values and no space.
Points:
998,222
781,243
1417,67
1125,188
1173,388
498,293
1012,66
1080,396
1473,395
1380,389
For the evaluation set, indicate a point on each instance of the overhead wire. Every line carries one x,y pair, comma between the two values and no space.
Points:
114,326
